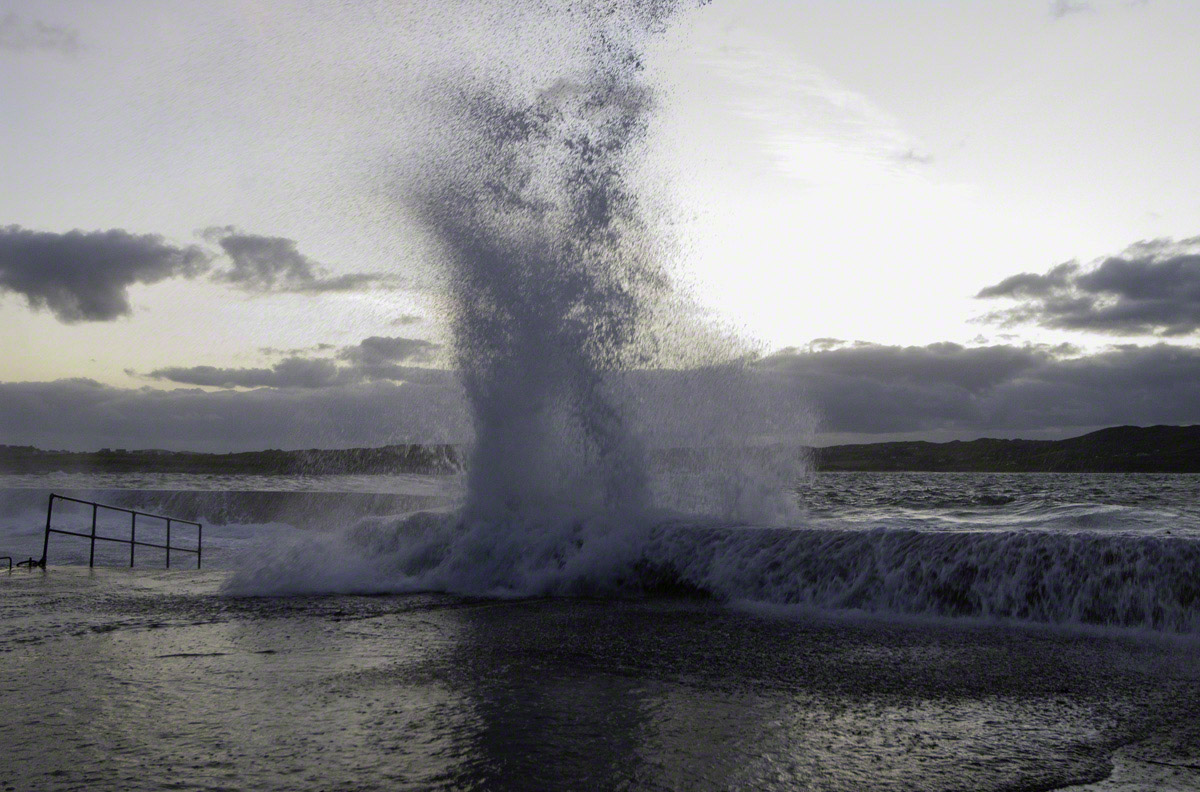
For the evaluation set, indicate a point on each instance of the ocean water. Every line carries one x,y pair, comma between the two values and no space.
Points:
910,631
1130,503
1102,550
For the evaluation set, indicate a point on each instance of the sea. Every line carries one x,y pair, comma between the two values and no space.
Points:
909,631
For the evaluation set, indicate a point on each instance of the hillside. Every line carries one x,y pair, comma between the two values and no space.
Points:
386,459
1151,449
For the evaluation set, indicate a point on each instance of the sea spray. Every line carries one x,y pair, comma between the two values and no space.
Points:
555,288
552,273
546,289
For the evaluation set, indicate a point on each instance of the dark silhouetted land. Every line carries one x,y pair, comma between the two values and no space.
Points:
385,459
1122,449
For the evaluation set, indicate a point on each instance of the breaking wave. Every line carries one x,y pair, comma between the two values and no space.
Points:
573,348
1126,581
576,354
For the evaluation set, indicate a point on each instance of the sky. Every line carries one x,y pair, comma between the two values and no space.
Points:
931,220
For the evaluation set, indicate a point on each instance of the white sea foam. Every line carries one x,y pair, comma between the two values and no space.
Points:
1083,578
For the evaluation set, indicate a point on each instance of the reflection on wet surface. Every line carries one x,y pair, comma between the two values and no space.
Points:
152,681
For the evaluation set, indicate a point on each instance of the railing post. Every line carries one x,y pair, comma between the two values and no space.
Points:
132,535
46,538
199,542
92,552
168,543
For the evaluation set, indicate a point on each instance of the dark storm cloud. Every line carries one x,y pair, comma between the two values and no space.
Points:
862,392
374,358
296,351
876,389
82,414
294,372
1151,288
84,276
22,35
1030,285
378,350
274,264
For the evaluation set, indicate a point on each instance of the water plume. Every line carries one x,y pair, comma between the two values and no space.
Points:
547,285
554,284
553,274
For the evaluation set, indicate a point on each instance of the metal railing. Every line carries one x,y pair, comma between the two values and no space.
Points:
29,562
131,541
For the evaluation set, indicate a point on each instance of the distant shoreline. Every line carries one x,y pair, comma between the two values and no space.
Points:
1122,449
385,459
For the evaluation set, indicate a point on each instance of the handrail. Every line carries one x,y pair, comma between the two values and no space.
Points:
131,541
127,511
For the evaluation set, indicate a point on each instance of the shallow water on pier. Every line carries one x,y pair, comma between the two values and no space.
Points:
151,680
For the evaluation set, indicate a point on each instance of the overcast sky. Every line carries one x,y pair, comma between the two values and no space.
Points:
935,219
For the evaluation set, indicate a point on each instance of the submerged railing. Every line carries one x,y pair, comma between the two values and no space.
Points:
131,541
30,562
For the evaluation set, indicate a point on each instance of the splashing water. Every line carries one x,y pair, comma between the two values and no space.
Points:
555,284
552,274
548,283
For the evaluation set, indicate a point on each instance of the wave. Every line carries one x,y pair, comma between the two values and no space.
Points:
1022,516
1144,582
1054,569
1057,578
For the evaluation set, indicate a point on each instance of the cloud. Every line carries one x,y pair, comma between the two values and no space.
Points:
1029,284
861,392
911,156
270,351
403,320
293,372
264,264
83,414
378,350
1062,8
1065,8
1153,288
84,276
373,358
880,390
825,344
21,35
